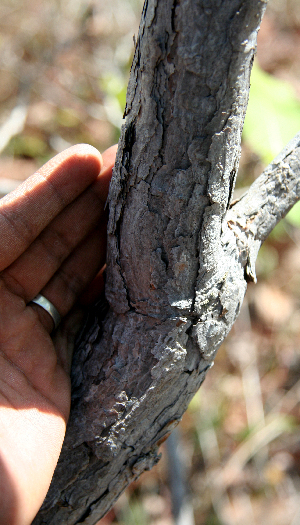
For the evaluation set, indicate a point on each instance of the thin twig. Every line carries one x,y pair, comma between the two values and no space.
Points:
13,125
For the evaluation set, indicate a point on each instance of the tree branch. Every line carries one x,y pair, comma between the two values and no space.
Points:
177,270
267,201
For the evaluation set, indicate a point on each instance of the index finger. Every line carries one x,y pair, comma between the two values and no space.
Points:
26,211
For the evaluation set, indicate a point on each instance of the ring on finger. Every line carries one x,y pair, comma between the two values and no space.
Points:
49,307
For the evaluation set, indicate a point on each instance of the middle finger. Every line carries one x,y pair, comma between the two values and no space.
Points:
35,267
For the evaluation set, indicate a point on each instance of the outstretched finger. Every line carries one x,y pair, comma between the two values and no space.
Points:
26,211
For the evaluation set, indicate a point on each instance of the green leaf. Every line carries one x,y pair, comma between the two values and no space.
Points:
273,115
293,217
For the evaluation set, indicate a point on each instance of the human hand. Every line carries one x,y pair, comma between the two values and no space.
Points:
52,241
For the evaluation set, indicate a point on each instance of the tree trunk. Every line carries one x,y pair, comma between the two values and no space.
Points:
179,257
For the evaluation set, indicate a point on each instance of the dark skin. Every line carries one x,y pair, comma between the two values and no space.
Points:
53,241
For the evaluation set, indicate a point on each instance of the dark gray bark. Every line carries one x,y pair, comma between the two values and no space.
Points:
179,258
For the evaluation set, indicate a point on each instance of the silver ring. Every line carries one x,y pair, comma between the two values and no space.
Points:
49,307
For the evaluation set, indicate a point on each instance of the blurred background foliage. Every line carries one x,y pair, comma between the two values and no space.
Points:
64,67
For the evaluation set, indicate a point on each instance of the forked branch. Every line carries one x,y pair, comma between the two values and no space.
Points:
179,259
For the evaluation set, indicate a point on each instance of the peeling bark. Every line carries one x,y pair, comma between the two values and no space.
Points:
179,257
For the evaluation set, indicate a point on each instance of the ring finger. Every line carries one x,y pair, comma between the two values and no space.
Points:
72,278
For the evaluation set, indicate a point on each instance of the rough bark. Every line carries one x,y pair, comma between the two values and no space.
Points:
179,257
